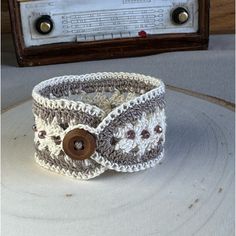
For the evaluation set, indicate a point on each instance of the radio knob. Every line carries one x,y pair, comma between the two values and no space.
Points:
180,15
44,24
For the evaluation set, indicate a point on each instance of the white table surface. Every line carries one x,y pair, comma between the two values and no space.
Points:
191,193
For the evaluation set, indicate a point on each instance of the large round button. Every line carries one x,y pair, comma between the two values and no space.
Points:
44,24
180,15
79,144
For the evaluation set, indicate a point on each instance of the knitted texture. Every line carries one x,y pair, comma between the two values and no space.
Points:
124,112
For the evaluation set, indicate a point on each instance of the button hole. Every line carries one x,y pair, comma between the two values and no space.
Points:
78,145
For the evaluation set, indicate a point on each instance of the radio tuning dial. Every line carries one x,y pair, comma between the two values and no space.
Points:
180,15
44,24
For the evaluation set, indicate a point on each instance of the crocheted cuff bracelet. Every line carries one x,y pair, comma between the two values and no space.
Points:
86,124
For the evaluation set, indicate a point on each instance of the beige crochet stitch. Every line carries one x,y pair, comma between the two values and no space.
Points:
124,112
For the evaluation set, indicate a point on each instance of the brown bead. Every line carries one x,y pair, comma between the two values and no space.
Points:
34,128
42,134
79,144
131,134
145,134
158,129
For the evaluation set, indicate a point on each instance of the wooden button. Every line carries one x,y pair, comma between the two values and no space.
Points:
79,144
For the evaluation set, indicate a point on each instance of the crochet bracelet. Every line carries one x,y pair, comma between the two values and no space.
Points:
87,124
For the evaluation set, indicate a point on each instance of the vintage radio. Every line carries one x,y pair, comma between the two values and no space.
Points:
57,31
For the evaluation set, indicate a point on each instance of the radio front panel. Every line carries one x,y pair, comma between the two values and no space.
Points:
47,22
58,31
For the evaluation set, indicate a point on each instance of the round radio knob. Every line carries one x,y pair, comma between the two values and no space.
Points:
180,15
44,24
